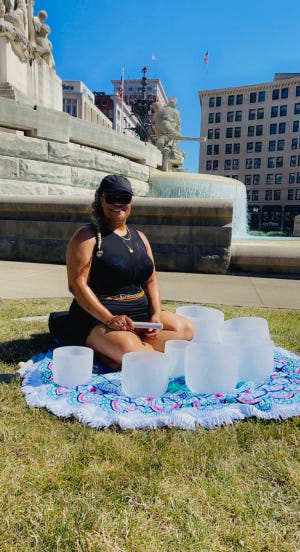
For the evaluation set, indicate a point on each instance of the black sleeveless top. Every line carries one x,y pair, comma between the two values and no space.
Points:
116,272
119,271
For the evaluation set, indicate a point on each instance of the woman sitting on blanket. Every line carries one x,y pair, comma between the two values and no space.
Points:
112,276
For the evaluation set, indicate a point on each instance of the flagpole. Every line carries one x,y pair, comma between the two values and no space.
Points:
122,88
206,68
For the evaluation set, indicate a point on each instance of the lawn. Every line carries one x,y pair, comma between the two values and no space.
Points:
67,487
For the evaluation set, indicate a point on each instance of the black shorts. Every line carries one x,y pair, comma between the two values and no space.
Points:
82,323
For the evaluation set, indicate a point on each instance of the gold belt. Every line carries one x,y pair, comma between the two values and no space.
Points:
124,297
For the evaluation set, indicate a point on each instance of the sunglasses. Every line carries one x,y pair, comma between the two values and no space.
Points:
124,198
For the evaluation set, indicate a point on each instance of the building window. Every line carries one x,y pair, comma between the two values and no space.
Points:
270,179
238,115
261,96
235,176
275,94
231,100
255,195
227,165
280,145
209,150
230,117
297,109
278,178
208,165
256,179
297,193
248,179
283,110
258,147
271,162
273,128
237,132
248,164
210,134
257,162
260,113
279,161
229,132
218,118
215,165
290,194
272,145
211,102
293,161
218,101
297,90
216,149
250,130
228,149
281,128
236,148
294,143
259,130
253,97
210,118
277,194
284,93
239,98
251,116
217,134
248,195
296,126
292,178
298,178
250,147
268,195
274,111
235,164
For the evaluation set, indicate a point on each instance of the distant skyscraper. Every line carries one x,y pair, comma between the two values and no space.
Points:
253,136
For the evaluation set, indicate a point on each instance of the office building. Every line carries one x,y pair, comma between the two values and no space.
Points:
253,136
79,101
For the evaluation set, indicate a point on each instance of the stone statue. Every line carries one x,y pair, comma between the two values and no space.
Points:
42,30
14,25
27,33
166,121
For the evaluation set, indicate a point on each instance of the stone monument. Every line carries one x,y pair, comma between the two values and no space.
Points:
166,123
26,61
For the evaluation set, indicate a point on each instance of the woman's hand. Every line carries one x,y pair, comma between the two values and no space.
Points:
155,317
121,323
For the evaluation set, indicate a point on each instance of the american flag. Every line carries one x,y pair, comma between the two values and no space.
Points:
206,58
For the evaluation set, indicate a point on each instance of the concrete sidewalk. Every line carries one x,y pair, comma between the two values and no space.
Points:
33,280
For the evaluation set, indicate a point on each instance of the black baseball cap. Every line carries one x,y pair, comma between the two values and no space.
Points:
115,183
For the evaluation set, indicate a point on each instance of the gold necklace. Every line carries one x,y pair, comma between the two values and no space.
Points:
125,240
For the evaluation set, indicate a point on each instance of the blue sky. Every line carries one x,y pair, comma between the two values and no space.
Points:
247,43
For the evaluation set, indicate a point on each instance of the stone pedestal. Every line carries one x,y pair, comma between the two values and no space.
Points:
31,83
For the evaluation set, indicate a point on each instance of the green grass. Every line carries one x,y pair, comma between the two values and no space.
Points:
67,487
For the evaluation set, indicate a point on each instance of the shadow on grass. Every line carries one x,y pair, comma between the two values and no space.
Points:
21,350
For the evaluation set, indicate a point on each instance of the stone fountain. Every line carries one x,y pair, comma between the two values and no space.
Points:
51,163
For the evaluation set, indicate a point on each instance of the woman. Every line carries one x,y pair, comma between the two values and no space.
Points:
112,276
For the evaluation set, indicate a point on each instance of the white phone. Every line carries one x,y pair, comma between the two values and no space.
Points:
148,325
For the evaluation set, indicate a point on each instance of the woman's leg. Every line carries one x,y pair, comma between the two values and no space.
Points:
112,345
175,327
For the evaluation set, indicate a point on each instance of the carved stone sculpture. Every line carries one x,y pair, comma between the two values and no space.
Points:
42,30
27,33
166,121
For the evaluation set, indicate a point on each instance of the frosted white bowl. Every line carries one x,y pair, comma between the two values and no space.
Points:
211,368
72,365
145,374
249,326
208,322
175,350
